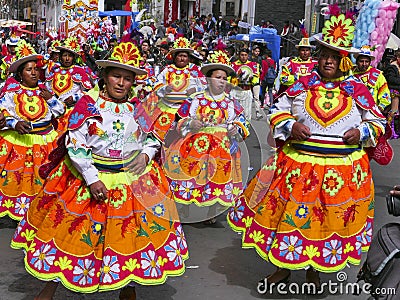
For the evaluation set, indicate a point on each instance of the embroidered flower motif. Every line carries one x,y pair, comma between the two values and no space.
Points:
270,241
181,237
97,228
43,257
164,120
332,252
185,190
332,183
84,272
228,191
144,217
174,253
3,174
142,123
236,212
201,144
150,264
291,247
311,182
110,269
158,210
175,159
22,205
359,176
291,179
118,126
302,211
297,87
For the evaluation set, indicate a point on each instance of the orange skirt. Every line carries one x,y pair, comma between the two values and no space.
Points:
21,156
90,246
302,210
202,170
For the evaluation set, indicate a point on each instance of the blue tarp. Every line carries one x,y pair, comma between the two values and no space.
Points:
114,13
270,38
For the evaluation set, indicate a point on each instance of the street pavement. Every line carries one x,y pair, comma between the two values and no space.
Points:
217,268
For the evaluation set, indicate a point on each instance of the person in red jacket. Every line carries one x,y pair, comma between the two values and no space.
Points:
265,65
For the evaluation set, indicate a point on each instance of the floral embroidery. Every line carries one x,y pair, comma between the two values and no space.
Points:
174,253
236,212
291,247
181,237
302,211
185,190
150,264
158,210
311,182
257,236
118,126
332,183
332,252
291,179
164,120
92,109
22,205
110,270
175,159
84,272
201,144
97,228
43,257
359,176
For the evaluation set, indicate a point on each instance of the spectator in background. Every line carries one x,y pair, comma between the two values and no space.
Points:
265,65
286,28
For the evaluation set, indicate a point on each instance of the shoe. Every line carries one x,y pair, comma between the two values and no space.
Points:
258,116
261,106
209,222
312,277
127,293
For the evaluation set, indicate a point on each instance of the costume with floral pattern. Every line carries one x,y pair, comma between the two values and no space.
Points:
21,155
67,81
204,167
296,68
93,246
312,203
159,110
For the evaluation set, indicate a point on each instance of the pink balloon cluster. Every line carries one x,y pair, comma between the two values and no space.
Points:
374,24
384,24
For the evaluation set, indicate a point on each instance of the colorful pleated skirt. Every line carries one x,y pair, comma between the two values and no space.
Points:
203,170
134,236
302,210
21,156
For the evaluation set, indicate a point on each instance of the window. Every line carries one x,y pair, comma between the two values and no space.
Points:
230,8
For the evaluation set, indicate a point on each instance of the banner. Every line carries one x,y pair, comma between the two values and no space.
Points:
170,11
196,8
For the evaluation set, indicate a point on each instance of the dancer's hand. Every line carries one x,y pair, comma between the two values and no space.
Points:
98,191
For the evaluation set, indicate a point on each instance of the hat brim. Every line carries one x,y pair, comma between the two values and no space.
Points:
309,46
11,43
214,66
356,55
114,64
16,64
189,50
61,48
350,50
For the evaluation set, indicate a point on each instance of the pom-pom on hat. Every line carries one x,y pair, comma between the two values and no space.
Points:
337,34
54,44
218,60
24,52
124,56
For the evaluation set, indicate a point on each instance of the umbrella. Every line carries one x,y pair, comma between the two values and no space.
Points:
14,23
393,42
